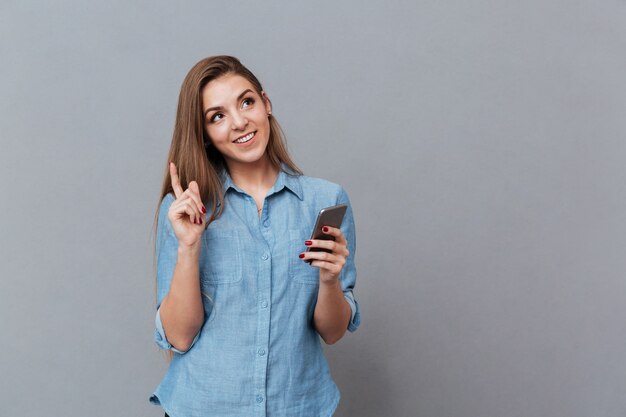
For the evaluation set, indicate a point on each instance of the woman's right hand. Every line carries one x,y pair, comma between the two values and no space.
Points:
187,214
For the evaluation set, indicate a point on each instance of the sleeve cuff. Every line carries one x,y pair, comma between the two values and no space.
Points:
355,318
161,340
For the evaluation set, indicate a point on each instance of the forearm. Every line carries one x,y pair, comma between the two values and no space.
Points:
182,312
332,312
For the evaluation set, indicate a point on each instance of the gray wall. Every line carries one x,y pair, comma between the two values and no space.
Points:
482,144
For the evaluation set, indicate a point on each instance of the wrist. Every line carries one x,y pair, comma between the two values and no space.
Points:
189,250
331,284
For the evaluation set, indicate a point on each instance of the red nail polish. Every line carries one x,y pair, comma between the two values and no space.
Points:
200,220
301,255
308,242
203,210
325,229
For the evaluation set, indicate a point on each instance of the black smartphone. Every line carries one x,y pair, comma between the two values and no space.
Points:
329,216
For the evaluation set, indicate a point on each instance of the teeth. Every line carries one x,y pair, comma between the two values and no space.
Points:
245,138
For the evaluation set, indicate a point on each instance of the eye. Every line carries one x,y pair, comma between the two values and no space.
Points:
213,119
248,100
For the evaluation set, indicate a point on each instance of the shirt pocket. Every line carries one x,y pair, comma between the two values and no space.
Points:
299,270
221,257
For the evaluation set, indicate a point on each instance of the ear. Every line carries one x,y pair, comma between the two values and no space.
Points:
267,102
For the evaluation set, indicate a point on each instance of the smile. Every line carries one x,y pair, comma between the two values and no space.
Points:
246,138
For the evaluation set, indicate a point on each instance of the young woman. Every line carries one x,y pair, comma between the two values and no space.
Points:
241,304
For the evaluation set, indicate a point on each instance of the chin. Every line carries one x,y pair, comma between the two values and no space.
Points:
247,159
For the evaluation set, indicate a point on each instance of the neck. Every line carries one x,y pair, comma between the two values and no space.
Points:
253,177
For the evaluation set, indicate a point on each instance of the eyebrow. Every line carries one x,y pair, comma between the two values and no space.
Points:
219,107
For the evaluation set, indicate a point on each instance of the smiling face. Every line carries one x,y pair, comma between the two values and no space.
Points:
236,119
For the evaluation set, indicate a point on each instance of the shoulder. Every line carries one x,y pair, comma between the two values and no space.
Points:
319,188
167,201
164,207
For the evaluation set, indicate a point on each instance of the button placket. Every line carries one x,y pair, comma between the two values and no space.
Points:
265,235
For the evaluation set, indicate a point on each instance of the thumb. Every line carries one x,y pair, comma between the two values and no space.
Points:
193,186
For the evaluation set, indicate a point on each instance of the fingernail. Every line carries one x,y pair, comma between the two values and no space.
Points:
203,209
325,229
301,255
200,220
308,242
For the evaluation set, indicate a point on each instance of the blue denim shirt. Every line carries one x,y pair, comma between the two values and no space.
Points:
257,353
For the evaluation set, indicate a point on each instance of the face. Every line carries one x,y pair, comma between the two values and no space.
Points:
236,119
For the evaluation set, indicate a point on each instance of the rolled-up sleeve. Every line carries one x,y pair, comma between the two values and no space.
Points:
348,273
161,339
167,255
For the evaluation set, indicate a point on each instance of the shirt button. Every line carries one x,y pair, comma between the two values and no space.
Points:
266,223
264,304
261,352
265,256
259,399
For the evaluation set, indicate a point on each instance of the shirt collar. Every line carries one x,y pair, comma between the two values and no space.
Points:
284,180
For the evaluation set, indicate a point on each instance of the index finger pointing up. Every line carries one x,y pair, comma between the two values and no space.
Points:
178,190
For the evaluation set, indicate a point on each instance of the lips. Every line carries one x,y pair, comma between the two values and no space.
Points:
245,138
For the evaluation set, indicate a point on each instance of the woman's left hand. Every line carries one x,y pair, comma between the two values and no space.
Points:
330,264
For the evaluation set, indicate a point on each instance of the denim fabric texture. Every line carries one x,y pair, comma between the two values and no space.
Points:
257,353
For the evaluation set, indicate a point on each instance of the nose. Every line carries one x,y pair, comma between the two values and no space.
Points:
239,121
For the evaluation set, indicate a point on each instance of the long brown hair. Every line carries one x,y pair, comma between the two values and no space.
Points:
194,160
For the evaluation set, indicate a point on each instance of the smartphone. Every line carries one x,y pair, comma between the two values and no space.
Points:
329,216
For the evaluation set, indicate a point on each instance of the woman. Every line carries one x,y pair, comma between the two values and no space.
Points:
239,306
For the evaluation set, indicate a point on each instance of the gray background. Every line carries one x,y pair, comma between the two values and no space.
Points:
482,144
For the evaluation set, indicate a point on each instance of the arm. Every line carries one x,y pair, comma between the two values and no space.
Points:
337,308
181,311
332,312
